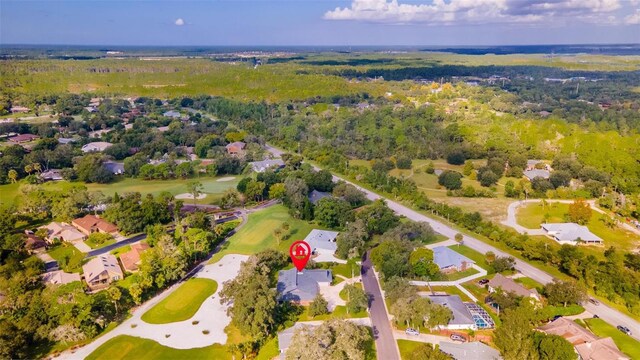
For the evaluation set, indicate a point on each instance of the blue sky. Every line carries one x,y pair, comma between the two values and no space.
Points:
308,22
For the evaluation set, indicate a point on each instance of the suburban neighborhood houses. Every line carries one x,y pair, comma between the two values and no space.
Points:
101,271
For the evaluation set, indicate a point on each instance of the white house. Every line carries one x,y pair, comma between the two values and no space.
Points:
571,233
462,317
323,244
96,146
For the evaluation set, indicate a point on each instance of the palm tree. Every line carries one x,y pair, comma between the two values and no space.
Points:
37,167
13,175
28,169
195,189
459,237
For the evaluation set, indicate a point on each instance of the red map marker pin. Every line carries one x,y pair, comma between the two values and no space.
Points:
300,253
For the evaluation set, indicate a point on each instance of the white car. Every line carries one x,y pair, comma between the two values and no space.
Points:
411,331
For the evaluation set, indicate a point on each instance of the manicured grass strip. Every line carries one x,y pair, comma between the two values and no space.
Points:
407,347
461,274
529,283
479,258
626,343
183,303
130,347
68,257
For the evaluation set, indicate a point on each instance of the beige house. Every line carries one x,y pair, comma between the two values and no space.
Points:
587,345
508,285
59,277
62,232
91,223
101,271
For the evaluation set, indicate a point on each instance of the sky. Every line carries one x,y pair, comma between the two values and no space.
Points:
319,22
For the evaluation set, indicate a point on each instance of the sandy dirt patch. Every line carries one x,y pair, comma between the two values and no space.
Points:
190,196
229,178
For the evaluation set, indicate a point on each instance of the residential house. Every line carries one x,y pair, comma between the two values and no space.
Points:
508,285
64,141
116,168
62,232
51,175
587,345
19,109
322,243
34,244
91,223
59,277
97,146
450,261
532,174
302,287
536,164
98,133
236,148
262,166
22,138
462,317
172,114
101,271
316,196
285,336
571,233
469,351
132,258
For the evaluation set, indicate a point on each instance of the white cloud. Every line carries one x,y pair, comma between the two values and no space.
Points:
439,12
179,21
633,19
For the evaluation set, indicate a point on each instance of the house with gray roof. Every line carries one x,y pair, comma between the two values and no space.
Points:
470,351
532,174
316,196
115,168
262,166
302,287
322,241
172,114
97,146
462,317
506,284
285,336
52,175
450,261
571,233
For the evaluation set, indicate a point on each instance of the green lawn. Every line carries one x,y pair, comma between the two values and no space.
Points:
529,283
407,347
340,312
130,347
532,215
211,186
95,246
269,350
257,234
183,303
68,257
460,274
626,343
343,293
346,270
476,256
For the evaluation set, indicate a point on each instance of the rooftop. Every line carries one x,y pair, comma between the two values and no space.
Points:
508,285
444,257
470,351
100,264
96,146
301,286
59,277
461,314
322,239
570,232
532,174
260,166
316,196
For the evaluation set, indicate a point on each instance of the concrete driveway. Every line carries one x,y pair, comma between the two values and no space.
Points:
211,315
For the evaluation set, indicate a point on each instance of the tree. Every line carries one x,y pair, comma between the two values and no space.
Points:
333,339
553,347
332,212
487,177
468,168
276,191
459,238
350,243
503,263
195,189
560,178
230,198
391,258
277,233
564,292
579,212
515,338
115,295
378,218
452,180
136,292
90,169
255,190
418,232
357,299
184,170
319,306
99,238
422,265
13,175
456,157
403,162
490,256
349,193
295,197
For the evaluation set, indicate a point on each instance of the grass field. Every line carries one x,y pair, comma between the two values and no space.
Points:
257,234
95,246
130,347
183,303
532,215
407,347
626,343
68,257
529,283
460,274
211,186
479,258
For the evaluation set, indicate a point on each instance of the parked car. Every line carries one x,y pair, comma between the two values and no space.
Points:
483,282
411,331
594,301
456,337
596,317
624,329
557,317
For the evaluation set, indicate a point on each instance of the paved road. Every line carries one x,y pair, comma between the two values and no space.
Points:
114,246
606,313
386,346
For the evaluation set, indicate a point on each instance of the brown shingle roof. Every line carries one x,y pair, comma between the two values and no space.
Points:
90,222
131,259
508,285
